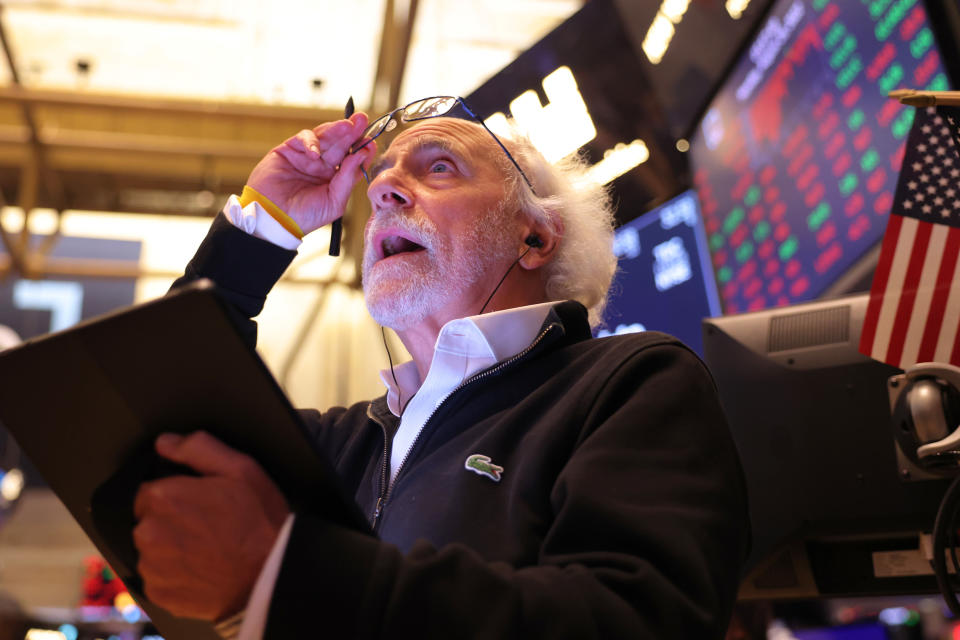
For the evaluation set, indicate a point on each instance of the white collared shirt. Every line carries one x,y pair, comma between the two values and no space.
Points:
464,347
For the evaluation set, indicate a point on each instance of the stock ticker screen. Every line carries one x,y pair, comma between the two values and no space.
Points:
797,157
664,281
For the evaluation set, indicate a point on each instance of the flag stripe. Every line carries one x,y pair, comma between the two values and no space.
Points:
898,272
919,318
938,304
908,294
947,345
955,354
879,286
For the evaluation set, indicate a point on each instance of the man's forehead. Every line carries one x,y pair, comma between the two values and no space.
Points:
451,134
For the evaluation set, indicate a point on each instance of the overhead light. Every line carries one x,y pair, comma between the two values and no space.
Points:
673,10
44,634
736,8
563,125
560,127
658,38
499,124
661,30
12,485
617,161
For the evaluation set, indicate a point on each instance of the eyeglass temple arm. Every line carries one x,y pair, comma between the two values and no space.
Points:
497,140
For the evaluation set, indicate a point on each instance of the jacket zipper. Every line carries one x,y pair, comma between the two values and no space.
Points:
383,468
387,488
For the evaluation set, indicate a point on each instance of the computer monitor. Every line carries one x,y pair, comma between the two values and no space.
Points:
664,279
797,156
833,510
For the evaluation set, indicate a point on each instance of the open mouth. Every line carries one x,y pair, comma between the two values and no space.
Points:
392,245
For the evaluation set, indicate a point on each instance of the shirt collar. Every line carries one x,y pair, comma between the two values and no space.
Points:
495,336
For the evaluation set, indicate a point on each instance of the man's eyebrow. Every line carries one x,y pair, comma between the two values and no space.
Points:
432,143
422,144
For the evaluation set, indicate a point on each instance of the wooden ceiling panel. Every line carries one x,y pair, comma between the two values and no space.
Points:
186,144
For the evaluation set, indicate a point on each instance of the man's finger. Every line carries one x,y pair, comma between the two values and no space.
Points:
342,182
307,166
336,142
306,142
163,496
211,457
205,454
358,122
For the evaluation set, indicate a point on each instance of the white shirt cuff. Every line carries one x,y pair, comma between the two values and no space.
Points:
255,616
255,220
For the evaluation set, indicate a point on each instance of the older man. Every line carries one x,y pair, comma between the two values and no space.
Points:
523,478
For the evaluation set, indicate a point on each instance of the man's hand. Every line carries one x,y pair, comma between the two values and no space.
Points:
310,175
202,541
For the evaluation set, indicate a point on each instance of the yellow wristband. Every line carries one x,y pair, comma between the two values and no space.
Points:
252,195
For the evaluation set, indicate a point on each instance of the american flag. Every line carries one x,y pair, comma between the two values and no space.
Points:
914,310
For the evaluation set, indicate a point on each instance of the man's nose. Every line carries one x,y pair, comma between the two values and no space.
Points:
387,191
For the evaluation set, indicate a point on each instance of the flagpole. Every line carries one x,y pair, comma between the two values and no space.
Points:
918,98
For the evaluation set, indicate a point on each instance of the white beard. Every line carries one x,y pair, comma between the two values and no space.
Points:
403,292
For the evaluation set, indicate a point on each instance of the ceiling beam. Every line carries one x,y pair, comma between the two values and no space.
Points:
135,143
33,171
168,106
402,52
37,163
398,21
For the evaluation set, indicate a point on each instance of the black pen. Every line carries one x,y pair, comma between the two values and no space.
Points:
336,229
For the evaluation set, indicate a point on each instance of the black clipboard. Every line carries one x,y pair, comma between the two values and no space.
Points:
86,404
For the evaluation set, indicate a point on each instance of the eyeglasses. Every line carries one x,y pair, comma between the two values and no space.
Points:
421,110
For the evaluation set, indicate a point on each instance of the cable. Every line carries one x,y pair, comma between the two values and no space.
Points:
532,241
942,530
497,288
393,374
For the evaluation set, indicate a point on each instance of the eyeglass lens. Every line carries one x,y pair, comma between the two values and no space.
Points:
419,110
428,108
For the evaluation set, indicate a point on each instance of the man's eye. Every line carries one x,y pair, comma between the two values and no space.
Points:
440,166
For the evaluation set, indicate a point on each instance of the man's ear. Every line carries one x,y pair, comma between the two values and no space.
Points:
541,241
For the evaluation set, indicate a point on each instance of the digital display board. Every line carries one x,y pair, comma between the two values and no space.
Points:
34,307
796,159
664,280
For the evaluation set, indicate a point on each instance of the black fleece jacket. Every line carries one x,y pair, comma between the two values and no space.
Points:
620,510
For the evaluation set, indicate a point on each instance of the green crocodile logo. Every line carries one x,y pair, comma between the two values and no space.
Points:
481,465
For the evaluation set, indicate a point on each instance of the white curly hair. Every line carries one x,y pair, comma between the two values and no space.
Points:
580,209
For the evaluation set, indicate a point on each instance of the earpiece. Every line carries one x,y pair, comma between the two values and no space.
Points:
532,241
